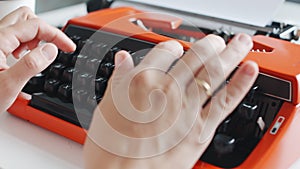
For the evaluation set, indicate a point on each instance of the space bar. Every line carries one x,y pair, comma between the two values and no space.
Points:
55,107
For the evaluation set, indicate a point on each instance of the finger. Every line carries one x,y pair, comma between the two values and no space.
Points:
227,99
24,47
163,55
31,64
14,78
199,53
123,63
21,14
14,35
3,64
218,68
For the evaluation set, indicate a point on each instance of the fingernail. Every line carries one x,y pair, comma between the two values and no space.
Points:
245,39
49,51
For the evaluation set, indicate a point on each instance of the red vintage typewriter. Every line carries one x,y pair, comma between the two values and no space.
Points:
262,132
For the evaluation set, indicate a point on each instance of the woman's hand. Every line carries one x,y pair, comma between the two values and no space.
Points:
21,32
160,116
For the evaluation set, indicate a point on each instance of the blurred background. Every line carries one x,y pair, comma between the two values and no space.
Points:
48,5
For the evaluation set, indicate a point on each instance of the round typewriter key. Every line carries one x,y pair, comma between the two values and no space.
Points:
56,70
80,61
92,101
85,47
223,144
93,64
68,73
80,97
106,69
75,39
98,50
100,85
65,58
65,92
51,86
35,84
110,55
84,79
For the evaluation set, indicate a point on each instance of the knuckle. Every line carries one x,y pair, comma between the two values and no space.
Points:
232,95
210,44
31,63
142,79
216,40
171,46
8,42
25,9
236,50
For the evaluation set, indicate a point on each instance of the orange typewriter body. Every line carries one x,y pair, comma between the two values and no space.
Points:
278,148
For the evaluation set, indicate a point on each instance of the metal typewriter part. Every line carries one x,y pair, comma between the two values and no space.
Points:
218,26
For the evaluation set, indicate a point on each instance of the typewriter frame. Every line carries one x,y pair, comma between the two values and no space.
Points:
273,151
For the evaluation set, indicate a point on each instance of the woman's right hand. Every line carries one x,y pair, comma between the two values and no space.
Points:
155,117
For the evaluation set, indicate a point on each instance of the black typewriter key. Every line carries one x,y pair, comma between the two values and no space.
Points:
223,144
92,101
68,73
65,58
80,97
138,56
100,85
84,80
93,64
109,57
248,111
80,45
106,69
35,84
51,86
56,70
65,92
98,50
79,61
75,39
85,47
224,126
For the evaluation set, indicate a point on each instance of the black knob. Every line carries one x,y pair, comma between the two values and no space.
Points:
223,144
56,70
79,61
51,86
84,80
93,64
80,98
65,58
65,92
106,69
92,102
247,111
100,85
35,84
68,73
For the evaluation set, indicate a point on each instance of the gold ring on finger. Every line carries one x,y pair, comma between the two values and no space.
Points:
205,86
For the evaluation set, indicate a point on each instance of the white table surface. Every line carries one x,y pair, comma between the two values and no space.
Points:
26,146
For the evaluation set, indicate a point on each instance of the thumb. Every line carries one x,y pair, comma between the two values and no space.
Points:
14,78
32,63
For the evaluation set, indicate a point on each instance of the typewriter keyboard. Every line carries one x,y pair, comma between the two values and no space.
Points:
69,78
81,77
